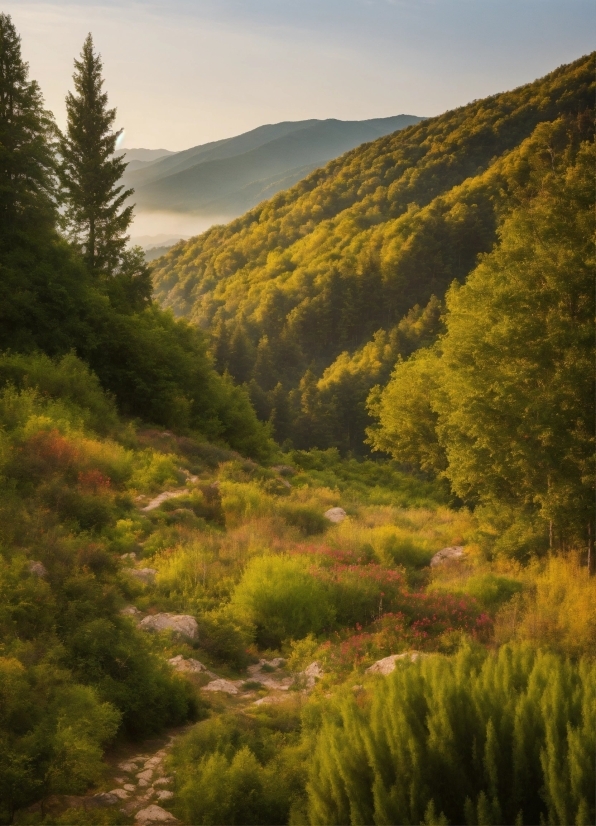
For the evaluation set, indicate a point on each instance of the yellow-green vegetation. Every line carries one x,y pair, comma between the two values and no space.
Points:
312,296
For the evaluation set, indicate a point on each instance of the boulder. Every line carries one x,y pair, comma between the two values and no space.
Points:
154,814
164,794
387,664
182,624
37,569
102,800
447,554
121,794
146,575
311,674
227,686
131,611
190,666
335,515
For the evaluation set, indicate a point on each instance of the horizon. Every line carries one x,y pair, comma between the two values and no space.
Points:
269,62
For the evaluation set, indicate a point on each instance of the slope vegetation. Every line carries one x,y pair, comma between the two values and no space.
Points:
312,296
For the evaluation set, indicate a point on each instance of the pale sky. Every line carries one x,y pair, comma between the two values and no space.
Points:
185,72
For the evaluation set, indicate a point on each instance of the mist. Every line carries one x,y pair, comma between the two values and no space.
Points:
157,227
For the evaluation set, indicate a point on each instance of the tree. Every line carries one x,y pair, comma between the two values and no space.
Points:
26,150
96,218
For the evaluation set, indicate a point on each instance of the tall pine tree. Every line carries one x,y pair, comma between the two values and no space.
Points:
26,133
96,216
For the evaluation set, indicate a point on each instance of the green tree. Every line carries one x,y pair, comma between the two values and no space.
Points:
96,217
26,134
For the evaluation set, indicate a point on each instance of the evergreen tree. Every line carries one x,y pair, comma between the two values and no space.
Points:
26,132
96,217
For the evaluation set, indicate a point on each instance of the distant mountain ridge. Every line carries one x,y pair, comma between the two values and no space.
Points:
228,177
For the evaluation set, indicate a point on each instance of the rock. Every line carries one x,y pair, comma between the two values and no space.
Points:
129,787
130,611
311,674
146,774
143,783
121,793
335,515
146,575
37,569
164,794
128,766
226,686
154,814
103,800
271,700
152,762
387,664
447,554
163,781
182,624
163,497
191,666
130,555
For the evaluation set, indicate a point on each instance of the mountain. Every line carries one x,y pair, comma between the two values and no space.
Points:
312,296
227,177
139,158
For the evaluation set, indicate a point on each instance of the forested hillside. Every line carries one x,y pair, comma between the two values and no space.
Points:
311,297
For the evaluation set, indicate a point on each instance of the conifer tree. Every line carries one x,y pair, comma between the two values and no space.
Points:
96,217
26,132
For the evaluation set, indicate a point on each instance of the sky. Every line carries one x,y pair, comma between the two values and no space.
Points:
185,72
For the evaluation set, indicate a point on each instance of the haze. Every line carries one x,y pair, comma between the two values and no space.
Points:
186,72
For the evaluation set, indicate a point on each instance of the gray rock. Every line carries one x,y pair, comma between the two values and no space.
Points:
130,611
335,515
163,781
182,624
37,569
102,800
154,814
130,555
190,666
447,554
311,674
227,686
146,575
120,793
147,774
164,794
387,664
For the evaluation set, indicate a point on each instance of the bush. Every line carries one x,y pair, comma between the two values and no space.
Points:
283,600
308,520
485,738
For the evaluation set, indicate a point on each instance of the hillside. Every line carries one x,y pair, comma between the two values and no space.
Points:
341,266
229,176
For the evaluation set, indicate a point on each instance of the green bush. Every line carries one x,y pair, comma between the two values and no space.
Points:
279,595
491,738
308,520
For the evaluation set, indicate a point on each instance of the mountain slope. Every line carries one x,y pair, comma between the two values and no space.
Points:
226,177
318,270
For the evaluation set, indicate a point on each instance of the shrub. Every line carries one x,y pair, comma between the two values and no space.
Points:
308,520
282,598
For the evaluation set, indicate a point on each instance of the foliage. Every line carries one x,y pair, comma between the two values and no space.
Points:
508,407
308,296
488,738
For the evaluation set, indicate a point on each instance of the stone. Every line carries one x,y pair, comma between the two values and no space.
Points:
122,794
164,794
128,766
311,674
191,666
152,762
447,554
37,569
129,787
145,575
154,814
226,686
103,800
182,624
143,783
146,774
130,611
387,664
163,781
132,555
335,515
270,700
163,497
